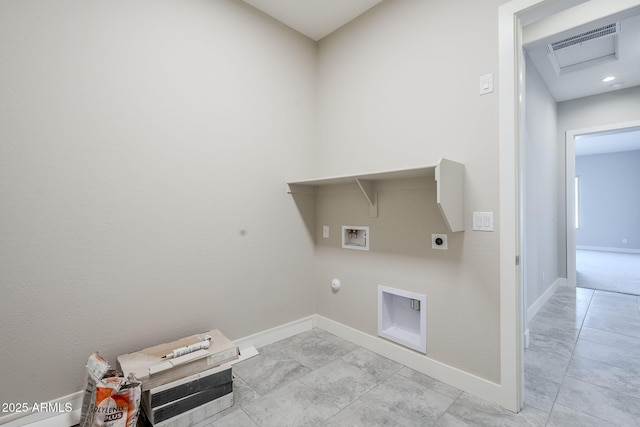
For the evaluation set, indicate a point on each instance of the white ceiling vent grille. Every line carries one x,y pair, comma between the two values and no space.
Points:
603,31
584,50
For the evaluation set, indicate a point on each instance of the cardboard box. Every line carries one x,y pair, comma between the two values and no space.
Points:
149,366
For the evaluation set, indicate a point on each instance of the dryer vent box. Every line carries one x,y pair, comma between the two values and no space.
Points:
402,317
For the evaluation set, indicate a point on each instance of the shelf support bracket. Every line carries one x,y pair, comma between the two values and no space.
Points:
368,189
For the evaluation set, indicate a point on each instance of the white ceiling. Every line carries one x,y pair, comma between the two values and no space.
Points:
314,18
586,79
319,18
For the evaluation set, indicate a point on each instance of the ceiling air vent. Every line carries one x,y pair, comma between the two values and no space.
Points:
603,31
586,49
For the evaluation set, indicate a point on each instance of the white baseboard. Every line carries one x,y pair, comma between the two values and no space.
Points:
542,300
278,333
49,419
607,249
462,380
465,381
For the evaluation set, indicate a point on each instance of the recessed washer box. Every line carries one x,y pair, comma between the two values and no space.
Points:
355,237
402,317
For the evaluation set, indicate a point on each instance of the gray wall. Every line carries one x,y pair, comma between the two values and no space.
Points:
144,148
542,183
393,95
609,201
598,110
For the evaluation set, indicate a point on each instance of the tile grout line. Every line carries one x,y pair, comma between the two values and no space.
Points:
241,408
564,375
379,382
573,350
447,410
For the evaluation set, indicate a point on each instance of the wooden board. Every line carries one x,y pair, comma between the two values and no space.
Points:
149,366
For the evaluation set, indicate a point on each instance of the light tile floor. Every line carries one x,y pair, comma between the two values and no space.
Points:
581,369
583,363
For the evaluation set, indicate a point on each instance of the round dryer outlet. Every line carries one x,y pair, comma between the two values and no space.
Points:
439,241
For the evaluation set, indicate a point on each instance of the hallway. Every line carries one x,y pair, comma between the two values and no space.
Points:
582,363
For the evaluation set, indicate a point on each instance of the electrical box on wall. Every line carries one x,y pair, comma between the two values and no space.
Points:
355,237
439,241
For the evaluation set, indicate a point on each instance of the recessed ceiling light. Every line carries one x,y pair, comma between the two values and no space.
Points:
616,86
608,79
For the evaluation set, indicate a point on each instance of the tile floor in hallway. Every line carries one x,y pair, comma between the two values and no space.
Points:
581,369
583,362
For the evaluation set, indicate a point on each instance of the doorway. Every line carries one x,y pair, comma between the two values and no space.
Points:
603,208
511,17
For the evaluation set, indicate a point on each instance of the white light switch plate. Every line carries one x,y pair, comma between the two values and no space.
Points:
486,84
483,221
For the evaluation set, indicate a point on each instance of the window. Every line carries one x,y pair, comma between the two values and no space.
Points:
577,198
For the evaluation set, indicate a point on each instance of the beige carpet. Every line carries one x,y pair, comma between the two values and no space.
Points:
608,271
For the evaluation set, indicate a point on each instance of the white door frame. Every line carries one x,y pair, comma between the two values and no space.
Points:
570,168
510,86
511,105
511,123
511,101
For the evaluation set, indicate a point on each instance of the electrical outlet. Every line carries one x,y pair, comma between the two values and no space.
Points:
325,231
439,241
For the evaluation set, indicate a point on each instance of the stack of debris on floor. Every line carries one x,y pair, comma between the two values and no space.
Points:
183,382
109,400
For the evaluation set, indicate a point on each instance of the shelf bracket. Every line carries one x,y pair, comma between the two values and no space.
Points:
368,189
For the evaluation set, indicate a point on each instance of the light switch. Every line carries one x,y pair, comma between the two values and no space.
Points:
325,231
486,84
483,221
